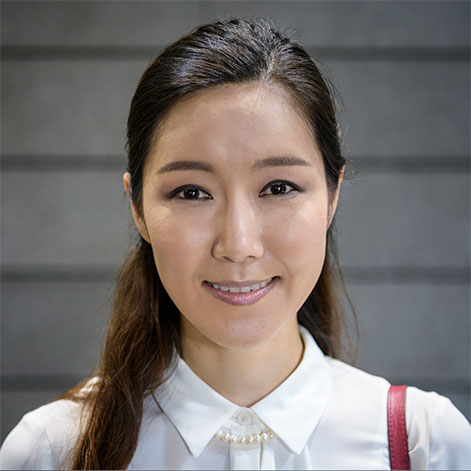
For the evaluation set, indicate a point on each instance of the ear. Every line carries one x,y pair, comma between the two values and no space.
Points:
335,198
138,219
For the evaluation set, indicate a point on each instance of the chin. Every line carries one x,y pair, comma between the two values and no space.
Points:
244,334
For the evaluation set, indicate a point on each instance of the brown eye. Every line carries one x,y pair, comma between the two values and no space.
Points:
189,193
278,188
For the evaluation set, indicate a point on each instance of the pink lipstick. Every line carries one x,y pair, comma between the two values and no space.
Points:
225,291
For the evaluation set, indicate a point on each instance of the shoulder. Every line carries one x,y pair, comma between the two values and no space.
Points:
358,399
43,437
357,386
439,435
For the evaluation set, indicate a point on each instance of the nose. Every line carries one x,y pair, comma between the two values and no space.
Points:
238,233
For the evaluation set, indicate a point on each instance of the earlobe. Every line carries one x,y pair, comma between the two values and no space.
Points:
138,219
127,183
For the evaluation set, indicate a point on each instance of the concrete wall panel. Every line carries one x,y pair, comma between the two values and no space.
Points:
75,108
324,23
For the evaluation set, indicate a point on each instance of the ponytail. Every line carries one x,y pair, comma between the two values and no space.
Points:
140,343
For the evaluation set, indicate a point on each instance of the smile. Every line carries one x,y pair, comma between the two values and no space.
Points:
241,289
240,293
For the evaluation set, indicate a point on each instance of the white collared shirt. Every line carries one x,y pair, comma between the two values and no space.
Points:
325,415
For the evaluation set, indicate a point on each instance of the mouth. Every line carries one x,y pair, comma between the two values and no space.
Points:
241,293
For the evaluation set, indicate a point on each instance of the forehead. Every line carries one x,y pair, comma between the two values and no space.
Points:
237,122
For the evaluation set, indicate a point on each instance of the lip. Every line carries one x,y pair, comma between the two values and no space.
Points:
241,299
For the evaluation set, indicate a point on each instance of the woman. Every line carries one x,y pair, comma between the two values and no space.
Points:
226,328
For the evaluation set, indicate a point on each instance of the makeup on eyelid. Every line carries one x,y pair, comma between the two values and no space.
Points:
282,184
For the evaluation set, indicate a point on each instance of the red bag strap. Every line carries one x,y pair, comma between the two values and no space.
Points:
397,432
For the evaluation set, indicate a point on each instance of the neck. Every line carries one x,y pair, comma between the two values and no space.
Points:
243,376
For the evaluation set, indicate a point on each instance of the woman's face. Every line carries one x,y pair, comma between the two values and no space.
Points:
235,194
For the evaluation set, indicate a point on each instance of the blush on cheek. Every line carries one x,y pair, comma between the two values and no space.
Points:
304,234
178,238
304,246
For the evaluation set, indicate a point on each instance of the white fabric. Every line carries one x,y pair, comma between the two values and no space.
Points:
326,415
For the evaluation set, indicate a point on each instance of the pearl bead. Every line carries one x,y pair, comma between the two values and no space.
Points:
244,440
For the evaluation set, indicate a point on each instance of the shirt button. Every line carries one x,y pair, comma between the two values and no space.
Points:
244,418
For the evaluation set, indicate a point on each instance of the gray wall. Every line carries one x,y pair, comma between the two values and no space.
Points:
69,70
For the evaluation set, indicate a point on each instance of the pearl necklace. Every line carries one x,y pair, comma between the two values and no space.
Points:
245,439
254,439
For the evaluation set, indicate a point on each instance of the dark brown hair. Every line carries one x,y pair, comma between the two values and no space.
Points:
143,332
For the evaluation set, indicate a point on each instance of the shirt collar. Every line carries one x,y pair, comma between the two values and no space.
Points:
295,407
196,410
292,410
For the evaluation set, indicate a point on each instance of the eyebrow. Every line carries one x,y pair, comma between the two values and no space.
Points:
277,161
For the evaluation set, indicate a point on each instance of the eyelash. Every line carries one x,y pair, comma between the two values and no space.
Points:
180,189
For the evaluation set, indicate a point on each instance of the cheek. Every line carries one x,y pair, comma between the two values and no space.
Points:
302,227
178,244
301,244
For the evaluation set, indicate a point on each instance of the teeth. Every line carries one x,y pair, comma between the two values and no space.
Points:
245,289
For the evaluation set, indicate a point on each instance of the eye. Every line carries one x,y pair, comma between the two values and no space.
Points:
189,193
279,188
